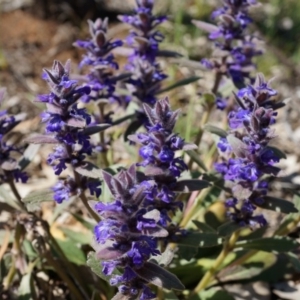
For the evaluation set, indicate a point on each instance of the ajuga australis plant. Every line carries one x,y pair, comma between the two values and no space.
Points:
248,139
66,128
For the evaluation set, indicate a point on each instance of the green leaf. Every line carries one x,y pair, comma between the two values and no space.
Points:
200,239
24,292
277,243
179,83
82,238
196,158
95,265
279,205
205,228
72,252
209,98
170,295
228,229
294,259
28,156
213,294
35,198
190,185
211,197
160,277
215,130
87,224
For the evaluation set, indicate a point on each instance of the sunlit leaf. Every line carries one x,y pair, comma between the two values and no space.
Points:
160,277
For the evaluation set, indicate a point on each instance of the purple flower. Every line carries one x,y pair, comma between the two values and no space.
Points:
146,74
126,234
238,48
101,62
249,137
10,169
66,123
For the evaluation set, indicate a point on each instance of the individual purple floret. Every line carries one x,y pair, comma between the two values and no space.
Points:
235,48
248,140
66,124
10,169
142,64
126,235
101,62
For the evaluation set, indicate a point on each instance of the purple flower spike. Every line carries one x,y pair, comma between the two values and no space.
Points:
101,62
249,138
235,48
126,235
10,169
66,124
144,38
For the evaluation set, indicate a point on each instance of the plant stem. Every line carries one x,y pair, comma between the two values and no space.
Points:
228,246
103,153
84,200
206,115
16,194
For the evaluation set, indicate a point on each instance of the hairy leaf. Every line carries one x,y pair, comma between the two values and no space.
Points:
215,130
42,139
269,244
88,169
279,205
205,228
190,185
228,228
205,26
196,158
95,129
35,198
179,83
160,277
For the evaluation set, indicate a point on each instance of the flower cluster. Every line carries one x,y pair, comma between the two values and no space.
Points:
131,225
126,235
144,38
101,61
159,145
66,123
10,169
235,48
249,140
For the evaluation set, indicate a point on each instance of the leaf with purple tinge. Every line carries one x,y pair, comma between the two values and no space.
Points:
205,26
76,122
160,277
95,129
42,139
238,147
88,169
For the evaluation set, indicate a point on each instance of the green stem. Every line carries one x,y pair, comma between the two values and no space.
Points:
84,200
220,259
16,194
